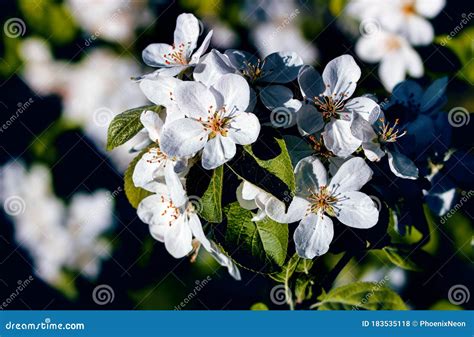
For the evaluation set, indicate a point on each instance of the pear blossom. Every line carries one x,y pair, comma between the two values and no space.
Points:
318,199
176,226
251,197
407,18
155,165
215,121
175,58
329,104
397,58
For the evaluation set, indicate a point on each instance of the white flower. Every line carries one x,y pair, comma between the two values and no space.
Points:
173,59
176,226
155,166
251,197
329,102
403,17
396,57
215,121
317,198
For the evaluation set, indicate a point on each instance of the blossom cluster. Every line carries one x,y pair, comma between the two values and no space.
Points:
212,105
390,29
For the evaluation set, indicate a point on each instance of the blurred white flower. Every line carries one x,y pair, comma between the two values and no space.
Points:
57,236
403,17
93,90
112,20
396,57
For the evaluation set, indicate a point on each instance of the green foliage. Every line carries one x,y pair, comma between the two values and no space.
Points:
259,246
304,288
294,265
361,296
50,19
259,306
402,258
134,194
126,125
211,201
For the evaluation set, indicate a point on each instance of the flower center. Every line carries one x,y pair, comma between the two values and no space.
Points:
253,71
218,122
318,147
177,55
171,210
409,8
156,156
389,134
393,43
322,201
330,106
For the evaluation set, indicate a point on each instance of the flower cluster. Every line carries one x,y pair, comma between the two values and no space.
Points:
213,114
390,30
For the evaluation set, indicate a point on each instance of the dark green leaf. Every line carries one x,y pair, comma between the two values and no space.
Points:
126,125
259,246
134,194
211,201
361,296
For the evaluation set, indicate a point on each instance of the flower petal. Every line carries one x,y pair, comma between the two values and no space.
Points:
177,192
196,228
153,124
178,238
351,176
276,210
357,210
150,211
338,138
239,59
281,67
195,99
235,91
153,55
309,120
245,201
225,261
419,31
146,170
205,44
183,138
313,235
311,83
429,8
364,107
340,77
186,32
212,66
217,151
310,175
160,90
244,128
402,166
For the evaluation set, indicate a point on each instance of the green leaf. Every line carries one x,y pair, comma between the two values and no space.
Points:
260,246
280,166
126,125
361,296
134,194
402,258
304,288
211,201
259,306
295,264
